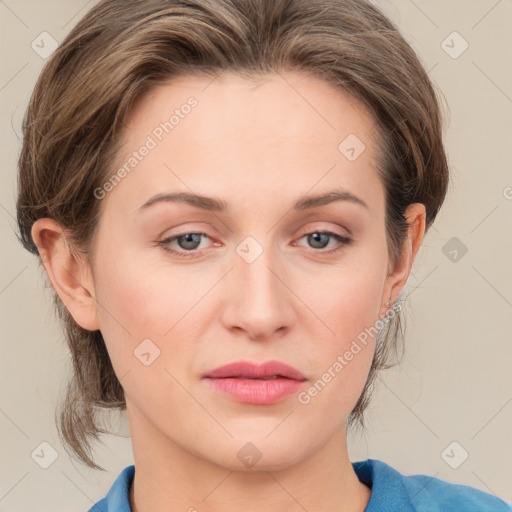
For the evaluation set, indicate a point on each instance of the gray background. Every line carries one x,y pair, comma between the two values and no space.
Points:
454,383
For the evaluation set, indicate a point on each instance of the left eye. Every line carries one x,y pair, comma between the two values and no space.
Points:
189,242
321,238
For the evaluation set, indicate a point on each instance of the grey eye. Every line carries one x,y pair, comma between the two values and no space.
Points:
320,240
190,241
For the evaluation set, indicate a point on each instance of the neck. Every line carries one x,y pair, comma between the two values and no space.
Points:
169,478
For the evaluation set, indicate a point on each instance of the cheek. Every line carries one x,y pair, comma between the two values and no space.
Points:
349,304
142,288
137,302
349,300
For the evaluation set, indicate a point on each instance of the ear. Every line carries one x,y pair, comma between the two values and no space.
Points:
397,277
68,272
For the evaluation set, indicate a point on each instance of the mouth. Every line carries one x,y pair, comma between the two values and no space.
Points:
249,383
250,370
255,378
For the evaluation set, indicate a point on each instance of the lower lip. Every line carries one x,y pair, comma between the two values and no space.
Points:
254,391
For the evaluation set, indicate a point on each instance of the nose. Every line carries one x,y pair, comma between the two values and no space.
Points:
259,301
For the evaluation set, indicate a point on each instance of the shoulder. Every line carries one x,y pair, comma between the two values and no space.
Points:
422,493
424,489
118,497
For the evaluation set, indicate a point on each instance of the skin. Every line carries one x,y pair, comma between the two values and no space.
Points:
260,147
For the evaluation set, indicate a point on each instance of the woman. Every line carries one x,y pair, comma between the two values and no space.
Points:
227,197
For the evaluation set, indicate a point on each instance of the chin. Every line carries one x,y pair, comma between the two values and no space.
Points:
264,454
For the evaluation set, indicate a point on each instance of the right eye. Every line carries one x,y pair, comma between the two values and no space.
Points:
188,243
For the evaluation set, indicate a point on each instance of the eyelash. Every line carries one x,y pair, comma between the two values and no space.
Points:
343,240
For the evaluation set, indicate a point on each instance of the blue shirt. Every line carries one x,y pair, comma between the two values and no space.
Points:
391,492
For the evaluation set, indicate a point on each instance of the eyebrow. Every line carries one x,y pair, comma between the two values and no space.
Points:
219,205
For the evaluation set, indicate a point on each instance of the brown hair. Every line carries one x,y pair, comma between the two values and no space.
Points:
119,50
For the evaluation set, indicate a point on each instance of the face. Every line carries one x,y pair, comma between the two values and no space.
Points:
185,288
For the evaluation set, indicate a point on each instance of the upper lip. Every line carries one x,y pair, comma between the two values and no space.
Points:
255,370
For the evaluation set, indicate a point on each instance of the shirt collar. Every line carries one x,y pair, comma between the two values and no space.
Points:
385,482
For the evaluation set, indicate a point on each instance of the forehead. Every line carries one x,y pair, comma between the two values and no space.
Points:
275,105
291,131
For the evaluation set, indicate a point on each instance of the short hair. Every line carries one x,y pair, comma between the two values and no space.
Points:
72,132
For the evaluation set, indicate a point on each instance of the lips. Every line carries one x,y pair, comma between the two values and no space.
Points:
248,370
250,383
